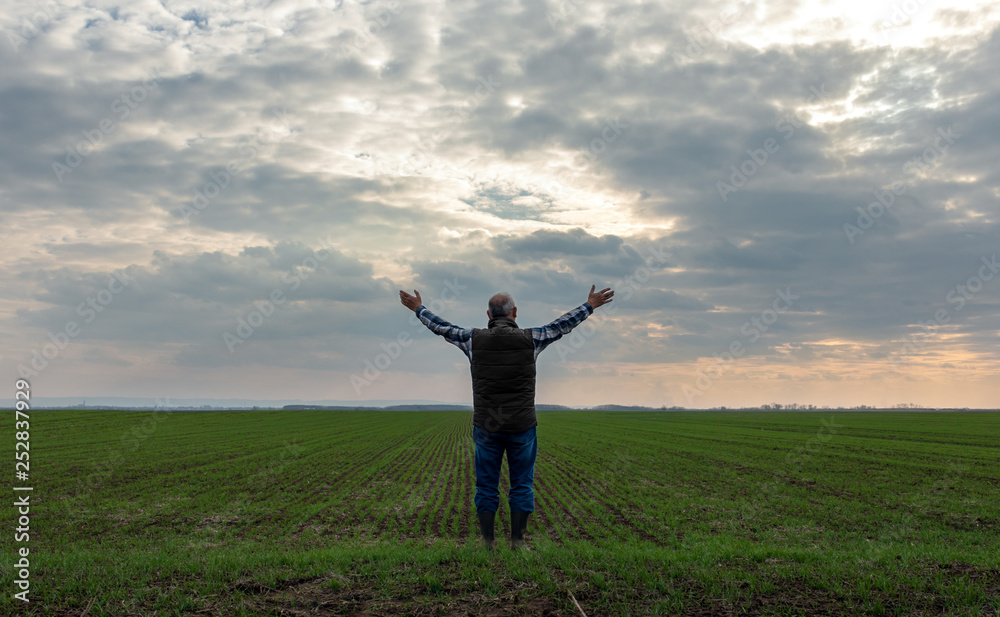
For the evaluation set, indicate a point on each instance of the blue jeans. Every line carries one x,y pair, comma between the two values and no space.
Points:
521,449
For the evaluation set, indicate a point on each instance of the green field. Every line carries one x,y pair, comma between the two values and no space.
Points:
638,513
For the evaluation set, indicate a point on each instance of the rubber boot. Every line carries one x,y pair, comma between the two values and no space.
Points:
518,523
486,523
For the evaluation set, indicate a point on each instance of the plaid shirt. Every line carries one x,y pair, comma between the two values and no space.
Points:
543,336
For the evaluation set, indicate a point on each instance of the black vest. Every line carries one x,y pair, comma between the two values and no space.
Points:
503,377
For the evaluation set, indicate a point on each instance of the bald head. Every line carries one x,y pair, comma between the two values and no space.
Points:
501,305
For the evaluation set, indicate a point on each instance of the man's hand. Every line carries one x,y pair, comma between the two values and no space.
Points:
600,297
411,302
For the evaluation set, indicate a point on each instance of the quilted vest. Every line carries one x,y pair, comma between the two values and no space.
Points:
503,377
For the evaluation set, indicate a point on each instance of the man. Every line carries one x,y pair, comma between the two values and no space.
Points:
503,394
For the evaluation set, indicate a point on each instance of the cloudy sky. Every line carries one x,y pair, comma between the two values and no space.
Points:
223,199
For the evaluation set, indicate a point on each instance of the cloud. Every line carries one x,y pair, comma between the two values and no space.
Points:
527,148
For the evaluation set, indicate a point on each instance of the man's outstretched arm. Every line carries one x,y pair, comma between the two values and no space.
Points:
459,337
550,333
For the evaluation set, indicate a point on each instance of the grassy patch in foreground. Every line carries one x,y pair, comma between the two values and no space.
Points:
728,576
371,513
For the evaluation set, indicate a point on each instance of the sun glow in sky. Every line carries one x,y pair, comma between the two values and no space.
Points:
728,167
